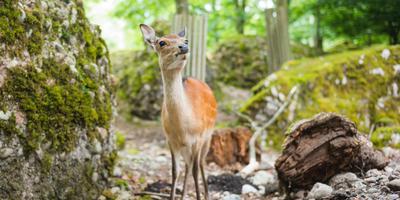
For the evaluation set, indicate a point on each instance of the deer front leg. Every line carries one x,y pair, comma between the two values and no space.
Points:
195,173
185,182
174,175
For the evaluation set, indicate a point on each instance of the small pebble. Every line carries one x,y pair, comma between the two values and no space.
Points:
248,189
319,191
394,185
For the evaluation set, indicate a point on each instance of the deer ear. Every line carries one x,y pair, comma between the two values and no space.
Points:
149,35
182,33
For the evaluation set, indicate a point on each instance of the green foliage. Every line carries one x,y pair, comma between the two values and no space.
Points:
356,22
223,16
338,83
386,136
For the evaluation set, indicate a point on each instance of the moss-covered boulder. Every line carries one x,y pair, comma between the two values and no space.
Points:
361,85
55,102
240,61
139,83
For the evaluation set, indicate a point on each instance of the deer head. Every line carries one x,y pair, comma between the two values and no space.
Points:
172,49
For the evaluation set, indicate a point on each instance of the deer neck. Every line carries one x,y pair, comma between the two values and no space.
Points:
175,100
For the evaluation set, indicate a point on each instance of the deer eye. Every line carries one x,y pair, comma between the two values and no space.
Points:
186,41
162,43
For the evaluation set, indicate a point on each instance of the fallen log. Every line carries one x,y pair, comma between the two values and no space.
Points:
321,147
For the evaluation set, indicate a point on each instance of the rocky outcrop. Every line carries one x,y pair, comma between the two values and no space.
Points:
55,102
361,85
240,61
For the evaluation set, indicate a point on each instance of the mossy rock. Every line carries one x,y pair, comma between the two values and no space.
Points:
361,85
240,61
139,83
386,136
55,102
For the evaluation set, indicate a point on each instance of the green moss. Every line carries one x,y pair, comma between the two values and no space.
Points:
122,183
53,110
385,136
335,83
110,160
55,100
13,30
120,140
47,162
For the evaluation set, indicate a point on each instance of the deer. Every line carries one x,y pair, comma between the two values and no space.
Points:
189,109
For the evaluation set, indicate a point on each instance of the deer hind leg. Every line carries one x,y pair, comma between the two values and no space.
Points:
204,152
174,173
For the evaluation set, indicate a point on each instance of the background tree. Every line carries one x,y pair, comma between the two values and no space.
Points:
182,6
240,8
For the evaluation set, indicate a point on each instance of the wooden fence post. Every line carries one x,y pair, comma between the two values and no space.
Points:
197,35
278,36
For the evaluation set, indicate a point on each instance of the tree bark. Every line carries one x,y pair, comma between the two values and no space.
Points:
182,6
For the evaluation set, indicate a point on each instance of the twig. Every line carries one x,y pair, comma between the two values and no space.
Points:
371,130
253,164
152,194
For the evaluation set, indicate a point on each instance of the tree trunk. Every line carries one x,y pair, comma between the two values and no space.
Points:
182,6
241,15
394,37
318,40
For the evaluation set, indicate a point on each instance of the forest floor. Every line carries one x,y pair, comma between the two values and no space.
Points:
143,170
144,166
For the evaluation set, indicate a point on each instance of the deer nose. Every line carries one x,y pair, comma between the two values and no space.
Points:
183,48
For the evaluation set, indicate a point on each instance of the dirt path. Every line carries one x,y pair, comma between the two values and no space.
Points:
145,161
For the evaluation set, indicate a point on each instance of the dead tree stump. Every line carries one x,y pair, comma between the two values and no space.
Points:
319,148
230,146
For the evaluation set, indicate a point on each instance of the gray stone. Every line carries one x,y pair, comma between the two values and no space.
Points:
301,194
124,195
345,180
231,197
248,189
393,197
319,191
373,173
5,152
372,190
263,178
394,185
372,179
117,172
388,169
